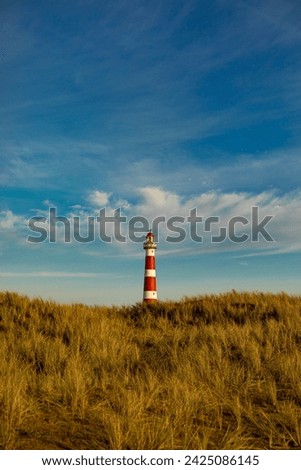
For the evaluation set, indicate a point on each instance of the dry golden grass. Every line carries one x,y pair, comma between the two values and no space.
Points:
209,372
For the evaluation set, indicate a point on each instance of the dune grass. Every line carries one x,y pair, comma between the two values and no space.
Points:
209,372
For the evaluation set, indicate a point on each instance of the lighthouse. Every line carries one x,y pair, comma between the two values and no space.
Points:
150,282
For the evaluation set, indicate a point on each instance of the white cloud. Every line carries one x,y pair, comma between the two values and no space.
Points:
99,198
123,204
284,227
154,202
156,199
9,220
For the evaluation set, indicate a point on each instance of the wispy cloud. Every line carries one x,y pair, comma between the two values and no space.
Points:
37,165
54,274
282,210
9,220
165,98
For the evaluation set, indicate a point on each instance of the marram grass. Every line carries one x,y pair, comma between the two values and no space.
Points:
208,372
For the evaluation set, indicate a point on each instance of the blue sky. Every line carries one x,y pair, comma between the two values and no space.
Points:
155,108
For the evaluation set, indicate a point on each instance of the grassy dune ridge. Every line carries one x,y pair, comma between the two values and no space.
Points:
209,372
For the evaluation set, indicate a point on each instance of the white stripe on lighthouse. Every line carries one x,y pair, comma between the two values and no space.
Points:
150,273
149,294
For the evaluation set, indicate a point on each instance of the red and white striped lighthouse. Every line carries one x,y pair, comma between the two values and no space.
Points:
150,282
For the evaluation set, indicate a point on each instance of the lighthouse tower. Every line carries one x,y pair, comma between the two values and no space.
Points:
150,282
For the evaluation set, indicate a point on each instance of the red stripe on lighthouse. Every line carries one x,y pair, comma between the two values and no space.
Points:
150,262
150,282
